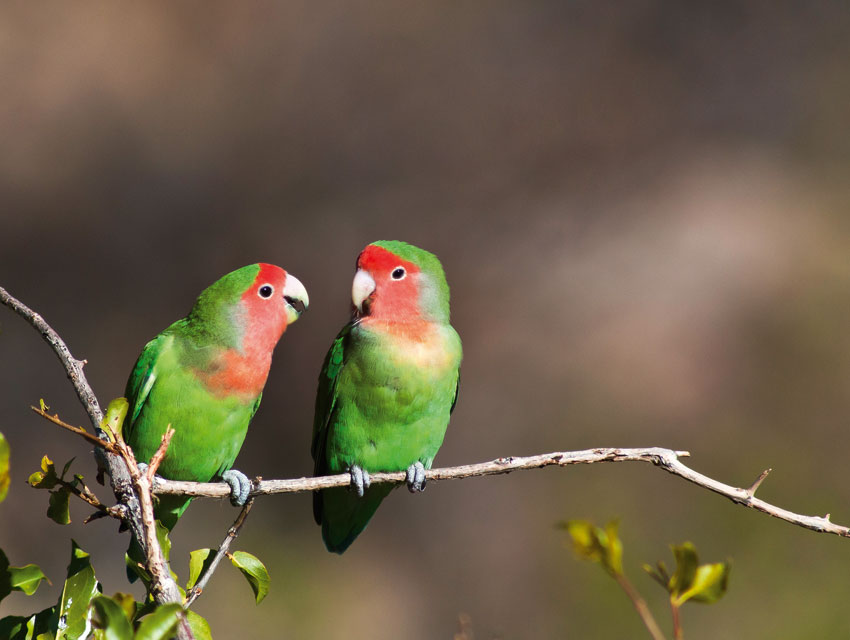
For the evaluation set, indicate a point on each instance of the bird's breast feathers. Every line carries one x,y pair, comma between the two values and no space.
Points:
230,373
428,347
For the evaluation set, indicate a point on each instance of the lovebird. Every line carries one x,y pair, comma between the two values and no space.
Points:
204,375
387,387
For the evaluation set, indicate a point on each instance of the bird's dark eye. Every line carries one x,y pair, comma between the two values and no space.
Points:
265,291
398,273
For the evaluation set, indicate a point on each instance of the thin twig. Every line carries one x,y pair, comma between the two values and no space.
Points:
640,606
223,548
85,494
677,621
667,459
92,439
156,460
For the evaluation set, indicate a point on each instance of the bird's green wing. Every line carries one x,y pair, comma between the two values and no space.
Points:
326,397
256,405
142,379
457,391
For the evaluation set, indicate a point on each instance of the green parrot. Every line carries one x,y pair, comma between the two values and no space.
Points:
387,388
204,376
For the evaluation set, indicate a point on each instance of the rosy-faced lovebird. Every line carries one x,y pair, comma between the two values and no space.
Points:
204,376
387,387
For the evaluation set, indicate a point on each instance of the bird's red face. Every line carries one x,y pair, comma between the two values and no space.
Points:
385,286
273,301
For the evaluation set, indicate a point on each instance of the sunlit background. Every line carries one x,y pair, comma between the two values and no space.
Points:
642,209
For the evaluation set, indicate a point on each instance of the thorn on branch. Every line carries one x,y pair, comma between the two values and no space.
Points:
97,515
755,485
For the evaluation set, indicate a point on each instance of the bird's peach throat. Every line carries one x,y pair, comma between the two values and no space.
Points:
417,343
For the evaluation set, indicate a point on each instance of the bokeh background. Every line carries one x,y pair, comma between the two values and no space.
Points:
642,208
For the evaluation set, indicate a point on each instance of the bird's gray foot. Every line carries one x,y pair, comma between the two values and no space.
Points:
143,468
360,479
416,477
240,486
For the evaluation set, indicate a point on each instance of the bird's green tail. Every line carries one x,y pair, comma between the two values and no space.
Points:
343,515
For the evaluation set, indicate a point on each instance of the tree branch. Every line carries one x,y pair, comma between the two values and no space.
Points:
199,587
667,459
92,439
164,589
640,606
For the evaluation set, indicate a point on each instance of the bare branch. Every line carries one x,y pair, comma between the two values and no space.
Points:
640,606
223,548
73,367
156,564
667,459
92,439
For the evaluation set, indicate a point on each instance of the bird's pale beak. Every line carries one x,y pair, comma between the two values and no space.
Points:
296,298
362,287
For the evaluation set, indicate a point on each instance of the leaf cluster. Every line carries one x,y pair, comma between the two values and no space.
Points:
83,611
690,580
705,583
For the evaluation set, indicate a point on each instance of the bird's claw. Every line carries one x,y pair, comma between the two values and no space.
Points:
240,486
360,480
416,477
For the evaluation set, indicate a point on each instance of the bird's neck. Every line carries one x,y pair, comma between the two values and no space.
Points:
234,373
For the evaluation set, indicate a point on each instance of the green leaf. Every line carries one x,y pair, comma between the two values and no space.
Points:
15,628
199,560
200,627
686,568
164,541
35,479
136,569
161,623
709,585
110,617
41,626
46,478
5,576
5,478
705,583
58,508
114,418
597,544
254,571
127,603
26,578
80,587
67,466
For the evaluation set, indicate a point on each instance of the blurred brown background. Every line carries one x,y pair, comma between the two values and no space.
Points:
642,211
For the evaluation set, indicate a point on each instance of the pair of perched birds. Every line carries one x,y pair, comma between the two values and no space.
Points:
386,389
